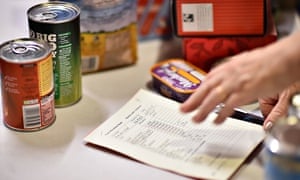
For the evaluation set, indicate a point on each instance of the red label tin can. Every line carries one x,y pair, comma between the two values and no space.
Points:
27,84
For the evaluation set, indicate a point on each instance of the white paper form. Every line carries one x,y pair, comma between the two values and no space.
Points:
150,128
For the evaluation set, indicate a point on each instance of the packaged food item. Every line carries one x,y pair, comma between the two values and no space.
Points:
219,18
176,78
108,34
207,51
58,23
27,84
154,21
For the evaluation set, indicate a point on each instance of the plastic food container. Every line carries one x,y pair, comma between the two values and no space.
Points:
176,78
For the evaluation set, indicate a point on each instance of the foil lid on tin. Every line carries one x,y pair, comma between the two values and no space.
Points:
178,74
53,12
25,49
176,78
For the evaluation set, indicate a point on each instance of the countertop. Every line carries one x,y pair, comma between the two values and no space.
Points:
58,151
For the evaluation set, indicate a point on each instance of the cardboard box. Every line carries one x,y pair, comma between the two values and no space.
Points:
219,18
205,52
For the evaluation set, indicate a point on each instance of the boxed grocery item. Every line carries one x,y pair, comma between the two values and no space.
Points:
207,51
204,52
214,17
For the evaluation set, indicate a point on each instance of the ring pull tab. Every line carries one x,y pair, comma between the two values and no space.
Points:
46,16
49,15
19,49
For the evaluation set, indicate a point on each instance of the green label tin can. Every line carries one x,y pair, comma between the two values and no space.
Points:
58,23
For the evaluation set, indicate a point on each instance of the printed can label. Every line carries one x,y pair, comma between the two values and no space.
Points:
27,84
58,24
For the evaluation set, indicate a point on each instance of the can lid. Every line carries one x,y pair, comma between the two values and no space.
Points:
284,137
53,12
295,101
24,50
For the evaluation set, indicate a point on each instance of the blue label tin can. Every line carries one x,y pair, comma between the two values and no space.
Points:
282,146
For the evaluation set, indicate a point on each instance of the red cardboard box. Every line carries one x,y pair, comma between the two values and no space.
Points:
206,51
219,17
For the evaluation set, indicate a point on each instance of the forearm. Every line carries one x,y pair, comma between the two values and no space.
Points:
288,54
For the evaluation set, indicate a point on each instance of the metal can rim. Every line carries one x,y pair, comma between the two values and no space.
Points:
277,140
42,43
53,3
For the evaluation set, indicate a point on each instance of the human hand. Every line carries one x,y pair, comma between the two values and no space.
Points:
243,79
262,72
276,107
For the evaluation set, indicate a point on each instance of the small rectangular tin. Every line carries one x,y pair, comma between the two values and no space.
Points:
58,23
176,78
27,84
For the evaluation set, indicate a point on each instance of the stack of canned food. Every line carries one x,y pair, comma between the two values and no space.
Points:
42,71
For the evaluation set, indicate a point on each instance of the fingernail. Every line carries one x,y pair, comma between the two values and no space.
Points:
183,108
196,120
269,125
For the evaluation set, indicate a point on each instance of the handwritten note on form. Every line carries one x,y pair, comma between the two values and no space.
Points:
150,128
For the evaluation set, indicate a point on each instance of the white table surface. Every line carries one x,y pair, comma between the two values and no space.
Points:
59,152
